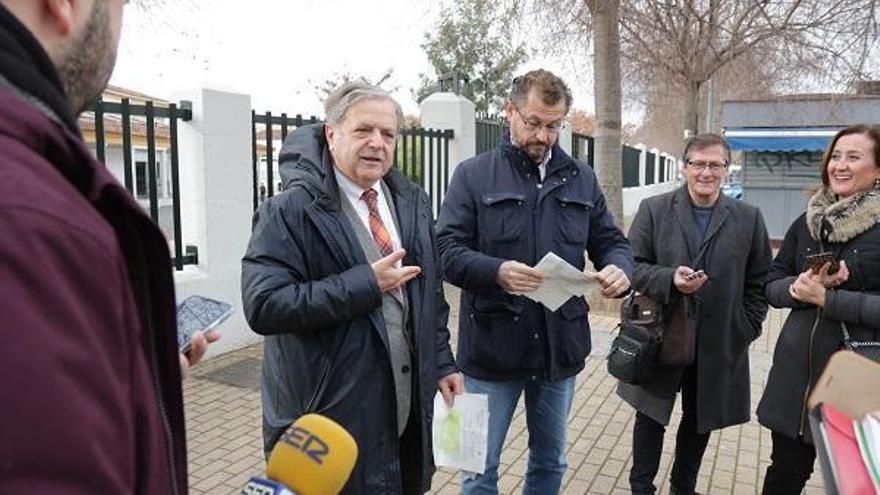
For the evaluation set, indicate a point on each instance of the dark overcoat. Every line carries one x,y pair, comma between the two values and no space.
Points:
811,334
307,286
731,304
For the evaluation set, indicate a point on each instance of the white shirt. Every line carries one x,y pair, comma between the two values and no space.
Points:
353,192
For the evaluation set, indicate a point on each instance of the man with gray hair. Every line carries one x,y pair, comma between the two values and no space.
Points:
341,276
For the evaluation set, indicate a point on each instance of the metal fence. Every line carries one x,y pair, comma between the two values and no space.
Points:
630,164
421,154
266,130
117,125
488,132
583,147
650,164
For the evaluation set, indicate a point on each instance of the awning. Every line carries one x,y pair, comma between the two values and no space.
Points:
780,138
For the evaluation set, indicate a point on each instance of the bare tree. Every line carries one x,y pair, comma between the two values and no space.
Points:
687,42
607,90
573,26
326,86
662,124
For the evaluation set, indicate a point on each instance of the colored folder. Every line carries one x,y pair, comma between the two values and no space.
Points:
849,469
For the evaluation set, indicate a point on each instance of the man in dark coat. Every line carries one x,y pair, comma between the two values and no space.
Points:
695,243
89,362
342,276
504,210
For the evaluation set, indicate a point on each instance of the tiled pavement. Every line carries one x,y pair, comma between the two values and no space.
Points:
225,447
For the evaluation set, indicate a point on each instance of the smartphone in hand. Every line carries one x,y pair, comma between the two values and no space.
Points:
198,313
816,261
694,275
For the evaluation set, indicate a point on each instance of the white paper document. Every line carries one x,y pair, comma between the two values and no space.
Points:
562,281
461,432
868,435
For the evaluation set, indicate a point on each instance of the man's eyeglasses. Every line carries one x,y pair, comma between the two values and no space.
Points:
714,167
532,125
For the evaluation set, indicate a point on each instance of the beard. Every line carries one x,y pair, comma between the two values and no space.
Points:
536,151
86,66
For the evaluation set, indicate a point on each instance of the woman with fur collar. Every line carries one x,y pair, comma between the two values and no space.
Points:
842,217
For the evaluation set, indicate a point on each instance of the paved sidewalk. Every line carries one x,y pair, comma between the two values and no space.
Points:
225,446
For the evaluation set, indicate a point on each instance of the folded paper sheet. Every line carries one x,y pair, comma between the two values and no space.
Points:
461,432
562,281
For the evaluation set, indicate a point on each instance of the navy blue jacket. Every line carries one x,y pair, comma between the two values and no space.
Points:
308,287
496,209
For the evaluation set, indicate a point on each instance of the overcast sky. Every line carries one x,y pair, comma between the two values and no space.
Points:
278,50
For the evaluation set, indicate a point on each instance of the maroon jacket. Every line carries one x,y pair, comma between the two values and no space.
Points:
89,373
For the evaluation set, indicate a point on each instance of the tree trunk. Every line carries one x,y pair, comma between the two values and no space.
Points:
691,107
606,81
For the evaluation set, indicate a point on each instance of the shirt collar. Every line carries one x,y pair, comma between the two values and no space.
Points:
352,189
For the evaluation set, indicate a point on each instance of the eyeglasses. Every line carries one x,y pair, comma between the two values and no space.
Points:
714,167
532,125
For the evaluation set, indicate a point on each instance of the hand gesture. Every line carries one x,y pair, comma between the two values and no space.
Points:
808,288
839,277
200,342
613,281
514,276
687,281
389,276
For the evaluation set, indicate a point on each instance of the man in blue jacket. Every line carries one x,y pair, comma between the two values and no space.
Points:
504,210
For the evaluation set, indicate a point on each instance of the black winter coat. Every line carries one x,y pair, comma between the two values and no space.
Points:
307,286
731,302
811,334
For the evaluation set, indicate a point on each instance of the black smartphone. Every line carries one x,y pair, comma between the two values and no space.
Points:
198,313
816,261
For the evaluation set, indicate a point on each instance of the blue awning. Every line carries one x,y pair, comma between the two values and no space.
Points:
779,138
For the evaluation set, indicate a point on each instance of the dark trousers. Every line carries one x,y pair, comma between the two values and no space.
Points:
791,464
689,445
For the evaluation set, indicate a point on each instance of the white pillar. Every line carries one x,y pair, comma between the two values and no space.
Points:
452,111
565,139
642,158
216,182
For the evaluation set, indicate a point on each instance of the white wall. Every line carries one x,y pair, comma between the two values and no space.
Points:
216,203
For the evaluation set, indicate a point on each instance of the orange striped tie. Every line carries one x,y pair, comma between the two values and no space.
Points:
377,228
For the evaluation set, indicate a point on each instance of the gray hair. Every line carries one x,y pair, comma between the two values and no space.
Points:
706,140
342,98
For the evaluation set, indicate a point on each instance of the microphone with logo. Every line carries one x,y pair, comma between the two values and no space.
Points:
314,456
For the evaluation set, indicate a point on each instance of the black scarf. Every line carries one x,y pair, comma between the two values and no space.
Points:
26,65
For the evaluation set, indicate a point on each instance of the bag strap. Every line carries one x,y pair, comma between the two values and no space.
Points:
846,337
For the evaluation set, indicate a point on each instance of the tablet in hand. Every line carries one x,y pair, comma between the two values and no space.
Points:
197,313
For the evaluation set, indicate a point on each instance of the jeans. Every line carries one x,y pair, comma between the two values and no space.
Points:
689,445
547,407
791,465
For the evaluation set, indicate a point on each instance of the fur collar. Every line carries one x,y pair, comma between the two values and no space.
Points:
842,219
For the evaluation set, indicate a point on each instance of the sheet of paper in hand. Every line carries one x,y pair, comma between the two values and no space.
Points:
461,432
562,281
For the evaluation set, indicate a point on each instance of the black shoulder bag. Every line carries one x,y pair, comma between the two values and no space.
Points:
868,349
640,335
